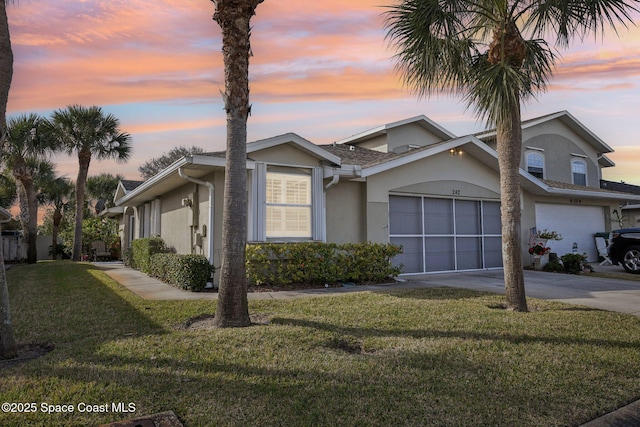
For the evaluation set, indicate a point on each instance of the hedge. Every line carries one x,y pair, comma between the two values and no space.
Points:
318,263
189,272
141,251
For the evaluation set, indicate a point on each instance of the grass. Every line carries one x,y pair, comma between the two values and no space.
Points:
438,357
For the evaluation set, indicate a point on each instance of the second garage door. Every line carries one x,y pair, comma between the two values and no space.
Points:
440,234
577,224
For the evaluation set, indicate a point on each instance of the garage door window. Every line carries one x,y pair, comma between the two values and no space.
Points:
445,234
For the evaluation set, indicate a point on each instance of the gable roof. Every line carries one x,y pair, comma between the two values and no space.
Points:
421,120
301,143
568,120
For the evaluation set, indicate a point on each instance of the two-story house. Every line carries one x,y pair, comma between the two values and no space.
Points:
410,182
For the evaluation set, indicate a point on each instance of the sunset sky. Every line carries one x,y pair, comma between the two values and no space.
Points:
321,69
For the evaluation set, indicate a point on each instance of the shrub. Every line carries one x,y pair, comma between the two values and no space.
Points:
189,272
317,263
573,263
143,249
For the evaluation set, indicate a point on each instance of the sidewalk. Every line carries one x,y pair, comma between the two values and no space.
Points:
606,294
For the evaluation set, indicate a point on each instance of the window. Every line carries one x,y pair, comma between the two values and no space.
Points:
288,205
579,172
535,164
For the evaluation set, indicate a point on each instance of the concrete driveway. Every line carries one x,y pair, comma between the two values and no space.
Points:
607,294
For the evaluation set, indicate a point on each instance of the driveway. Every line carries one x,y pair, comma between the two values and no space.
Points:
607,294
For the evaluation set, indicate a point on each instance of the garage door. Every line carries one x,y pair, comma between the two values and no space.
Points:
576,224
445,234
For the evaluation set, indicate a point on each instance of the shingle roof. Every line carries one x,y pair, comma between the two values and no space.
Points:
620,186
566,186
354,155
130,184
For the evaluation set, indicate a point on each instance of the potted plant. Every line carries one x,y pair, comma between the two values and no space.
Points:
540,254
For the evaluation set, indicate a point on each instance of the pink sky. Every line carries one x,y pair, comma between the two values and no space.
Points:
320,69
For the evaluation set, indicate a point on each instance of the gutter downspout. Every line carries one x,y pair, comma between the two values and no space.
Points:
211,188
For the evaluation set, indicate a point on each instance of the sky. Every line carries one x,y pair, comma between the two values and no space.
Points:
321,69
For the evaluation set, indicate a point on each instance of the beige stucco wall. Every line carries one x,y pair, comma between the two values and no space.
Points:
440,175
558,142
410,134
285,154
345,212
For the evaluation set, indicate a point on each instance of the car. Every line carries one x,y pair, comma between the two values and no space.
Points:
624,248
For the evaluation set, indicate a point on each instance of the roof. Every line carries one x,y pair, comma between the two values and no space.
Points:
421,120
355,155
130,184
620,186
566,118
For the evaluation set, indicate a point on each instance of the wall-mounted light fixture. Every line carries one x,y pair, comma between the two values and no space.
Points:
455,151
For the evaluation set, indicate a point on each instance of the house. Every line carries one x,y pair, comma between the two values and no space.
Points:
409,182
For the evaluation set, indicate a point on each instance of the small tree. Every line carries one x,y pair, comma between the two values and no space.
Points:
153,166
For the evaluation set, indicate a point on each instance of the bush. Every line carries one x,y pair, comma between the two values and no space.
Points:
573,263
318,263
143,249
189,272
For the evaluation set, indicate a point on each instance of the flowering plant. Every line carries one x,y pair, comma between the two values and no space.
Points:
548,235
539,250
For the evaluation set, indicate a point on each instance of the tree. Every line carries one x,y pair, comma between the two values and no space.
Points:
8,346
153,166
24,149
101,188
57,193
234,18
8,190
89,133
477,49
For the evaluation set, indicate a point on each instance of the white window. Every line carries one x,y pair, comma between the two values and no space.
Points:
579,172
535,164
288,205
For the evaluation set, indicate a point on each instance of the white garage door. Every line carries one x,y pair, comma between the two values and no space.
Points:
445,234
576,224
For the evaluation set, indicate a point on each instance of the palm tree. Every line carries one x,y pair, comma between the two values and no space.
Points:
89,133
57,192
478,49
8,346
234,17
24,149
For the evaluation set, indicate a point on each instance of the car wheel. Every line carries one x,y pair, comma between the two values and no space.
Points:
631,260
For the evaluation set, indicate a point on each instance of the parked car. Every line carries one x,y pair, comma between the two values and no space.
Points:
624,248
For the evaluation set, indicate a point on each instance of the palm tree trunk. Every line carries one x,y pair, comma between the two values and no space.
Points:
57,218
233,16
8,346
6,62
509,137
84,159
32,223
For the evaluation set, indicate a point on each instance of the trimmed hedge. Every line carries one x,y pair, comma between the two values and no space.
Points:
318,263
189,272
143,249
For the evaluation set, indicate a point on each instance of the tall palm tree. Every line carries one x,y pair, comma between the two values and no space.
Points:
57,193
478,49
89,133
234,17
8,346
24,151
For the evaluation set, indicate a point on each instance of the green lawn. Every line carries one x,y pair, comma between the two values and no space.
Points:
437,357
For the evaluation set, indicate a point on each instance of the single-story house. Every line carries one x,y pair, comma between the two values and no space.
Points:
410,182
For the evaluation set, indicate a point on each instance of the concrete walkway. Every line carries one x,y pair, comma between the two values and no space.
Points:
606,294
